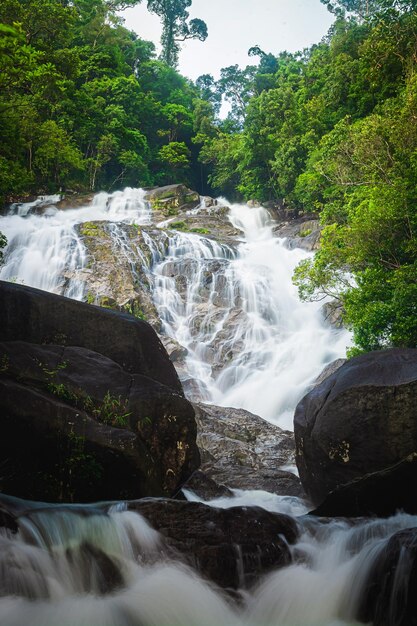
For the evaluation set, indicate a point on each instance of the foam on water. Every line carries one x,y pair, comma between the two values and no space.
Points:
53,572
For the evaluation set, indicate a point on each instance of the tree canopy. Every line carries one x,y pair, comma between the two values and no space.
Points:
84,104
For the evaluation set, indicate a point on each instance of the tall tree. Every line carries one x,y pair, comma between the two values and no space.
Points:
364,9
176,27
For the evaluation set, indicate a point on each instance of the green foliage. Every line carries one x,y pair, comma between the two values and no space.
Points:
4,364
77,467
83,103
176,27
113,410
182,226
333,130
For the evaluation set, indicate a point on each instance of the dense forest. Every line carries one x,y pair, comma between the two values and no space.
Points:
332,130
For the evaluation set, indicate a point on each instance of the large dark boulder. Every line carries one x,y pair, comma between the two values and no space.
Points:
360,420
379,493
389,597
35,316
231,547
78,425
169,200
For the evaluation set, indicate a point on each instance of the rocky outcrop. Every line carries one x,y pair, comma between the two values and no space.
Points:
115,276
330,369
358,421
209,221
388,597
243,451
230,547
35,316
300,233
333,313
106,419
171,199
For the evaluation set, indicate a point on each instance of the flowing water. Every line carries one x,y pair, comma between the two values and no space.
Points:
251,343
104,566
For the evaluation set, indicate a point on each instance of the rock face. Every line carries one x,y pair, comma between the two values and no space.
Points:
389,596
300,233
359,420
379,493
230,547
243,451
170,199
90,405
114,277
333,313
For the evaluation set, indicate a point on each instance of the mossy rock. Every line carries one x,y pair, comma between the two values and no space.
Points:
171,198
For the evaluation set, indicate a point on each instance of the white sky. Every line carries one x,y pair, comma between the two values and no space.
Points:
236,25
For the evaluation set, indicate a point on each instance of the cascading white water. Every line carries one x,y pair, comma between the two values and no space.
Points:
45,250
88,566
251,343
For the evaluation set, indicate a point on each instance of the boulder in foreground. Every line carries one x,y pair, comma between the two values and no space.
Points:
90,405
360,420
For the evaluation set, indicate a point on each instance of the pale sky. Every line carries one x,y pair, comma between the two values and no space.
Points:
234,26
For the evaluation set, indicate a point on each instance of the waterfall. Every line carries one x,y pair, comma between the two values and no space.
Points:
250,342
95,565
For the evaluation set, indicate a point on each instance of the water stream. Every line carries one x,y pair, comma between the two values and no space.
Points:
104,566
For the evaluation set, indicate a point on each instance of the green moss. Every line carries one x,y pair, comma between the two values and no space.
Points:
182,226
134,309
178,226
200,231
90,298
306,232
89,229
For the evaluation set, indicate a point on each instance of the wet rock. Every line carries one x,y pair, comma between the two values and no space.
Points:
209,220
358,421
231,547
388,597
78,424
330,369
380,493
175,350
8,521
333,313
300,233
115,276
96,572
75,201
205,487
171,199
243,451
36,316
